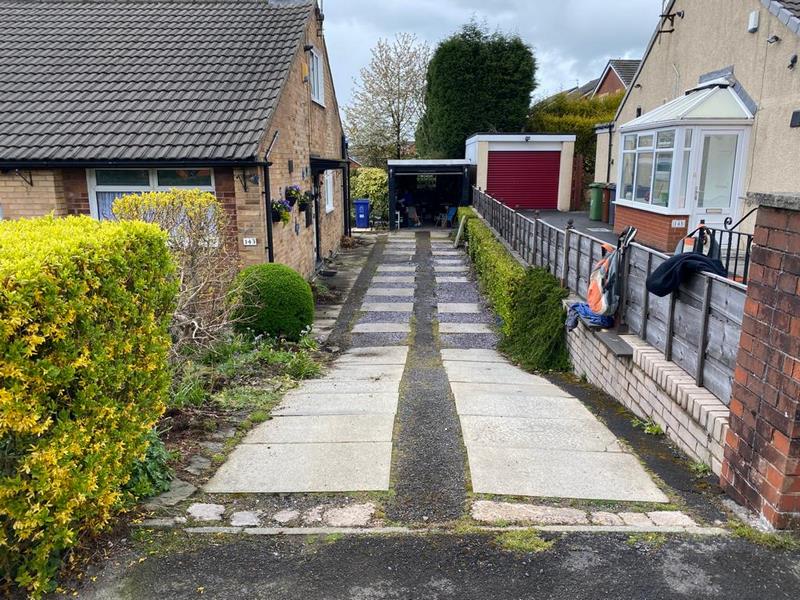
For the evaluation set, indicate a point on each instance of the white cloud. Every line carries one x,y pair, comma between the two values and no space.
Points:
572,39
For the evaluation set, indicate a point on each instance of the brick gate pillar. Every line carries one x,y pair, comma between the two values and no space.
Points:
762,453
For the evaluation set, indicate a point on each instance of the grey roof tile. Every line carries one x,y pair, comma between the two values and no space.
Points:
626,69
793,6
142,79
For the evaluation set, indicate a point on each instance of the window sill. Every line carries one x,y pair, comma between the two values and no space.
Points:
319,103
661,210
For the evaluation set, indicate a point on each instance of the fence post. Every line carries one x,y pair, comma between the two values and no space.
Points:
670,326
646,296
565,266
701,351
622,325
535,235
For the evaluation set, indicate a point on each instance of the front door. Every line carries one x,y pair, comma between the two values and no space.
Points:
716,178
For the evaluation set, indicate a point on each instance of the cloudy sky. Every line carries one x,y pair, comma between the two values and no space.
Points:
572,39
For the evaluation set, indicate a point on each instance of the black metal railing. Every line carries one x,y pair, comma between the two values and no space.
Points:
734,246
697,327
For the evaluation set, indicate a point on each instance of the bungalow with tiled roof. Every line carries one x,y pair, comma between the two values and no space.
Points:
99,98
712,117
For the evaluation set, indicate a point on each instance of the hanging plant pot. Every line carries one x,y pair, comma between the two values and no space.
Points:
303,206
292,201
276,216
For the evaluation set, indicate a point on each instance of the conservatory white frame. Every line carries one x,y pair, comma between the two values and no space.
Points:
687,155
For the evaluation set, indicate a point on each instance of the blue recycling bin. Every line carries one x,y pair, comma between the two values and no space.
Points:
362,213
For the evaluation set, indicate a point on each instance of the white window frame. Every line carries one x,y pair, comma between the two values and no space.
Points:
91,177
679,147
316,76
330,187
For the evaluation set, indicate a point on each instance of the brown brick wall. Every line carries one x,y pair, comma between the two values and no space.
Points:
762,454
20,200
610,85
655,230
305,129
76,191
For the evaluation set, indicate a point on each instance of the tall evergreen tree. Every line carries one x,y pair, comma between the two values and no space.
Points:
477,81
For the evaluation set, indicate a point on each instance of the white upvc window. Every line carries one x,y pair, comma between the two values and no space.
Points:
330,183
316,77
106,185
647,166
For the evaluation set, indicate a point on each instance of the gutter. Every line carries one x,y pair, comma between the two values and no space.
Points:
10,165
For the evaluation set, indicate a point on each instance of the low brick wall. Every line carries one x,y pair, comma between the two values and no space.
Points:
654,388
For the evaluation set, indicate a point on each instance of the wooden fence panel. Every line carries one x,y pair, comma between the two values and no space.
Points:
698,327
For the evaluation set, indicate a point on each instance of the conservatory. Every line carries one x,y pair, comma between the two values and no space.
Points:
684,162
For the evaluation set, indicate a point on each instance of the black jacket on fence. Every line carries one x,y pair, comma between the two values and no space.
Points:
668,277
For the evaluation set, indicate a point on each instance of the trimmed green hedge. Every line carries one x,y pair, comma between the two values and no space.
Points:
273,300
536,338
529,302
498,272
84,311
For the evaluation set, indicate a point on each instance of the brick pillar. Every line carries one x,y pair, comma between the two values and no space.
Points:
762,453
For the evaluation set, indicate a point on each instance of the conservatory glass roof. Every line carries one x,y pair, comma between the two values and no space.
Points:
715,101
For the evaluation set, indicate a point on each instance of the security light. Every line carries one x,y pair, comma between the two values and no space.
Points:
773,39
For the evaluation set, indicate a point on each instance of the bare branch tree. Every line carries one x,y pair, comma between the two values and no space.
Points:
388,101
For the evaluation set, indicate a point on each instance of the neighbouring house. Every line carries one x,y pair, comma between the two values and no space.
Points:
617,77
712,116
101,98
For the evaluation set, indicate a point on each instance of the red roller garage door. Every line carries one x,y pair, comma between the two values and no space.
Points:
525,179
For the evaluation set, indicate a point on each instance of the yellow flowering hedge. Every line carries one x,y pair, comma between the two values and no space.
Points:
84,311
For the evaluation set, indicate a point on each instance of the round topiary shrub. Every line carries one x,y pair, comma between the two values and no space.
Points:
273,300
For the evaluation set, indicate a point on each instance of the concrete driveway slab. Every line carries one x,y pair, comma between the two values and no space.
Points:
473,355
387,306
482,372
450,269
459,307
364,372
350,386
393,279
316,429
294,468
382,328
488,390
379,291
338,404
586,434
379,355
560,474
464,328
397,268
537,407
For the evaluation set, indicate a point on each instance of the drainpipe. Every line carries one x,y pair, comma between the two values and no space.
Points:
610,147
268,198
268,207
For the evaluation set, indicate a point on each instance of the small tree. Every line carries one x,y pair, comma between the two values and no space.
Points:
372,183
204,250
565,114
477,81
388,100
